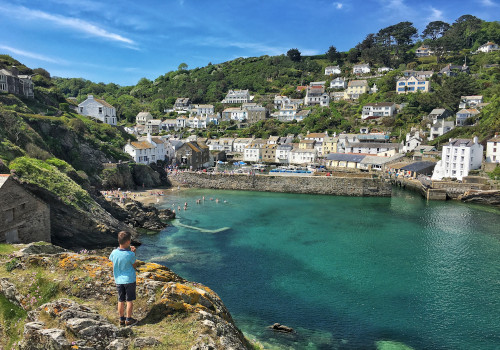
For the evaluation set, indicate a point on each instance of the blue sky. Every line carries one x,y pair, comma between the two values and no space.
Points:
123,41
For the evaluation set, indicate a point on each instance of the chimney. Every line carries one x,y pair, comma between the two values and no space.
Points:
149,138
15,71
90,97
476,140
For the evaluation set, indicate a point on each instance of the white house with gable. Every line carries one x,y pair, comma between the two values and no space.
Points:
361,68
331,70
99,109
458,157
147,150
493,150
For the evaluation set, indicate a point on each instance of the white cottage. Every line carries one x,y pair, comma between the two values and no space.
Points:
99,109
458,157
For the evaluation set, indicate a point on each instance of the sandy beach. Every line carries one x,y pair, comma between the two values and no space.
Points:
150,196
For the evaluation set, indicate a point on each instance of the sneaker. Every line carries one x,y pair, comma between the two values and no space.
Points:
122,322
130,321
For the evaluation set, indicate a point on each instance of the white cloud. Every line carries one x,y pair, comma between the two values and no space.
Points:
436,15
488,3
28,54
338,5
68,22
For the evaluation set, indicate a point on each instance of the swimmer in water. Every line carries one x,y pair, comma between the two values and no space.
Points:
217,200
203,198
211,199
186,204
179,207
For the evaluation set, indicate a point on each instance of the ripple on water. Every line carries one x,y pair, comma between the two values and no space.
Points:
347,273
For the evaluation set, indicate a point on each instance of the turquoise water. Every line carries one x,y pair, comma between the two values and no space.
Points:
344,272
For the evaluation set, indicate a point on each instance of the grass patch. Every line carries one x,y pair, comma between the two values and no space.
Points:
12,319
48,176
7,249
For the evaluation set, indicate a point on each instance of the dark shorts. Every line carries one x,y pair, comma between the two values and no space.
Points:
126,292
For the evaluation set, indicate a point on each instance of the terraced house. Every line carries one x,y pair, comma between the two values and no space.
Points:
412,84
15,83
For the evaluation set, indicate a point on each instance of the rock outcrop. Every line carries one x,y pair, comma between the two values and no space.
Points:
75,229
136,214
133,176
81,314
482,197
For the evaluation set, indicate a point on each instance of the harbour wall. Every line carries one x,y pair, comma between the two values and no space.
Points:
338,186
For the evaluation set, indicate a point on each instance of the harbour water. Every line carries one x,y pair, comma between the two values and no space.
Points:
346,273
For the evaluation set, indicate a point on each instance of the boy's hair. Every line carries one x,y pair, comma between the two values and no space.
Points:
124,237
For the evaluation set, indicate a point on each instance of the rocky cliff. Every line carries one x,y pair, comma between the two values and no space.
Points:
63,300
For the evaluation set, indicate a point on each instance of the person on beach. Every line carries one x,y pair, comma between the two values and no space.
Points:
124,264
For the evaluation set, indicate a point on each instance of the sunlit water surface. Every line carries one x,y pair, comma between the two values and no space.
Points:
346,273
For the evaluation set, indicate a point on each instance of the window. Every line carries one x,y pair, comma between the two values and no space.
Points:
3,87
81,109
9,215
100,110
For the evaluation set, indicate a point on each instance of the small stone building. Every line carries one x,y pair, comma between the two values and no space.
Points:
24,218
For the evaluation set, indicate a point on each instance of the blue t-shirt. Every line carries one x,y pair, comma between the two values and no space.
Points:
123,270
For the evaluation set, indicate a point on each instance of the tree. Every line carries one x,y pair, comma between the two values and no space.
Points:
294,55
353,55
435,29
332,54
182,66
404,33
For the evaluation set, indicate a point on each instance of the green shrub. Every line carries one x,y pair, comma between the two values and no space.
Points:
11,316
48,176
11,265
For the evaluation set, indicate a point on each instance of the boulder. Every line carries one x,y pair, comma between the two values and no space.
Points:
118,344
281,328
145,342
42,248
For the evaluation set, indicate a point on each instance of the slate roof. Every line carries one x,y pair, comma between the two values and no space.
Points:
344,157
104,103
418,166
142,145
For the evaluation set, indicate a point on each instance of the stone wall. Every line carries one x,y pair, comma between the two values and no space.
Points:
23,217
340,186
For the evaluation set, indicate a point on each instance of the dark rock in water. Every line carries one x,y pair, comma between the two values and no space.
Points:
491,197
147,216
281,328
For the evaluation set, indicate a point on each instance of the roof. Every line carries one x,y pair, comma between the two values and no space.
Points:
144,114
460,142
488,43
6,72
284,147
303,113
316,135
419,166
380,104
362,65
104,103
158,140
357,83
204,106
375,160
374,145
307,141
3,179
344,157
493,139
468,111
438,111
154,122
141,145
472,97
333,67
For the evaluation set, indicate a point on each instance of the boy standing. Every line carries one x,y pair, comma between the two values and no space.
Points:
123,259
